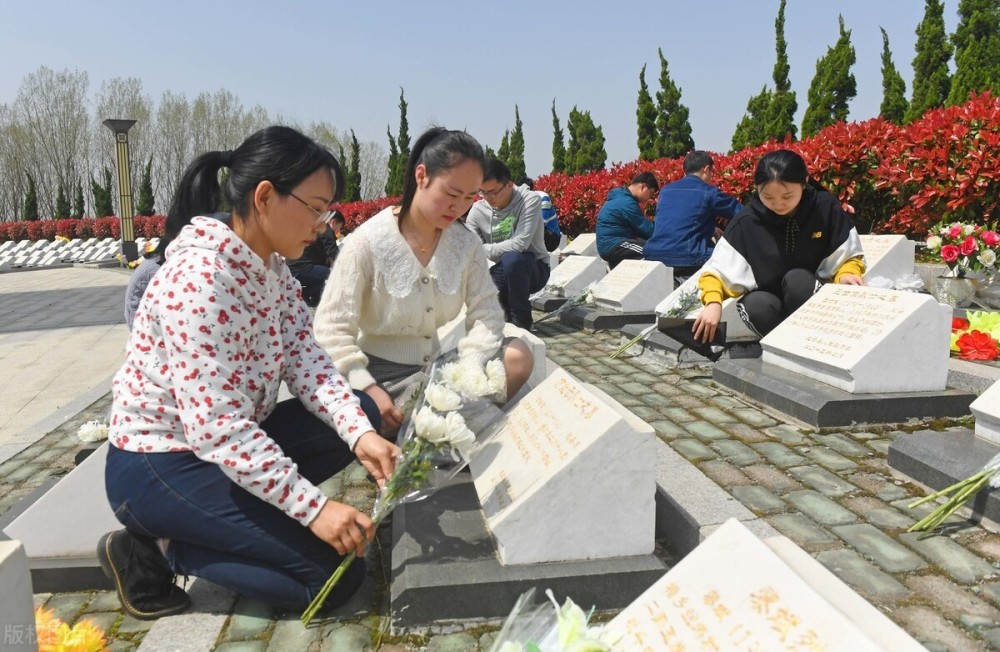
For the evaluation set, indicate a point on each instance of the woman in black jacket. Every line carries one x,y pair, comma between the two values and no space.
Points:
792,237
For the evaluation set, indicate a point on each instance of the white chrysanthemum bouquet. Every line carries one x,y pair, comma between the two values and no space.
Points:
435,440
549,628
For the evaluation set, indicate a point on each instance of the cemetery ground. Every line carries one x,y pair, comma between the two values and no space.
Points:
828,490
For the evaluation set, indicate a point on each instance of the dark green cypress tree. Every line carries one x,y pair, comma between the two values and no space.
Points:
832,87
102,196
645,117
352,190
62,204
585,152
750,131
503,152
29,212
781,112
489,152
515,152
145,204
931,79
78,205
558,143
394,182
894,102
672,126
977,49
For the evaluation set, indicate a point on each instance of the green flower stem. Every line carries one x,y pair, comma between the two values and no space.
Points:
635,340
947,490
965,490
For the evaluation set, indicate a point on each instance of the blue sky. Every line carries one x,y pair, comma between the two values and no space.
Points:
462,64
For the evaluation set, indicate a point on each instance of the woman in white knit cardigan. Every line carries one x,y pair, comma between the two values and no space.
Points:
411,269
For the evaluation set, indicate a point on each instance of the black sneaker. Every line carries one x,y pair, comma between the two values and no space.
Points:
143,580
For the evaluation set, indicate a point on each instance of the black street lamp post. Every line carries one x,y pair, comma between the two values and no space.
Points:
130,250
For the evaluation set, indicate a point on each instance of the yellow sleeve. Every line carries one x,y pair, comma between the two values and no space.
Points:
713,290
854,266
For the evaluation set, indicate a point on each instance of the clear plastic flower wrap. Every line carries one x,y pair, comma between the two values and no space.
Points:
547,627
437,436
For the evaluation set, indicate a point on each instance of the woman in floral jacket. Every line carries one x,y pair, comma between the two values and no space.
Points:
209,474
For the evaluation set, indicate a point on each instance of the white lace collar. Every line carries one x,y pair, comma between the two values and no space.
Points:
401,267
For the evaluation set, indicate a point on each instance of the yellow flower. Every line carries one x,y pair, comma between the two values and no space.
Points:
56,636
46,625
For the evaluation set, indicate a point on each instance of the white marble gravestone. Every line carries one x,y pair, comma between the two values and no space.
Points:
736,592
888,256
865,340
584,244
17,613
574,274
986,410
634,286
569,474
63,526
736,329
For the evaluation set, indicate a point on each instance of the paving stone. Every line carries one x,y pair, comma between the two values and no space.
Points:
104,601
828,458
705,431
723,473
678,415
242,646
646,379
692,449
822,480
289,634
759,499
863,576
688,402
347,637
820,508
250,618
736,452
926,625
786,434
992,637
130,625
802,530
635,389
727,402
774,479
990,590
987,546
746,433
877,512
667,430
843,445
960,564
881,446
102,619
875,545
951,599
753,417
884,488
460,642
778,454
67,605
714,415
703,391
863,435
24,471
656,401
668,389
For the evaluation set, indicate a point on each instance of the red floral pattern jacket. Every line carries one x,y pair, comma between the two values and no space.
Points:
215,334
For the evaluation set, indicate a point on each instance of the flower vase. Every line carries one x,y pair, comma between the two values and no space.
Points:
988,294
955,291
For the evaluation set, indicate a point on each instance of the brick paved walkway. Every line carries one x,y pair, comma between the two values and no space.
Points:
830,491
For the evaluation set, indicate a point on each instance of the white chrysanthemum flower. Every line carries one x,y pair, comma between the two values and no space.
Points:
429,425
988,258
93,431
496,376
457,433
934,243
466,377
443,399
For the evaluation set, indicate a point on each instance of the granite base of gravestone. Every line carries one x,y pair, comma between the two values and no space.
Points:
569,279
822,405
445,566
986,410
61,528
940,459
545,302
669,351
595,318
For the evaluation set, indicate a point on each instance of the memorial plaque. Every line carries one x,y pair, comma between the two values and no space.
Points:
865,340
736,592
574,274
986,410
736,329
584,244
888,256
634,286
569,474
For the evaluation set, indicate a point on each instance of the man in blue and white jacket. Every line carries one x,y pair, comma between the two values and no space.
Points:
622,227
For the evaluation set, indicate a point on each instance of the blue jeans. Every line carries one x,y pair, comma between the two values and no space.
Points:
225,534
517,275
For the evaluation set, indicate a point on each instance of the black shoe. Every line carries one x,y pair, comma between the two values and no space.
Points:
143,580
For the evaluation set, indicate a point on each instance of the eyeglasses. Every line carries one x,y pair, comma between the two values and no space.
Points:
490,194
321,217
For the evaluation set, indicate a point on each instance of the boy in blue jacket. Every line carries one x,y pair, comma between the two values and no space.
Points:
622,228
